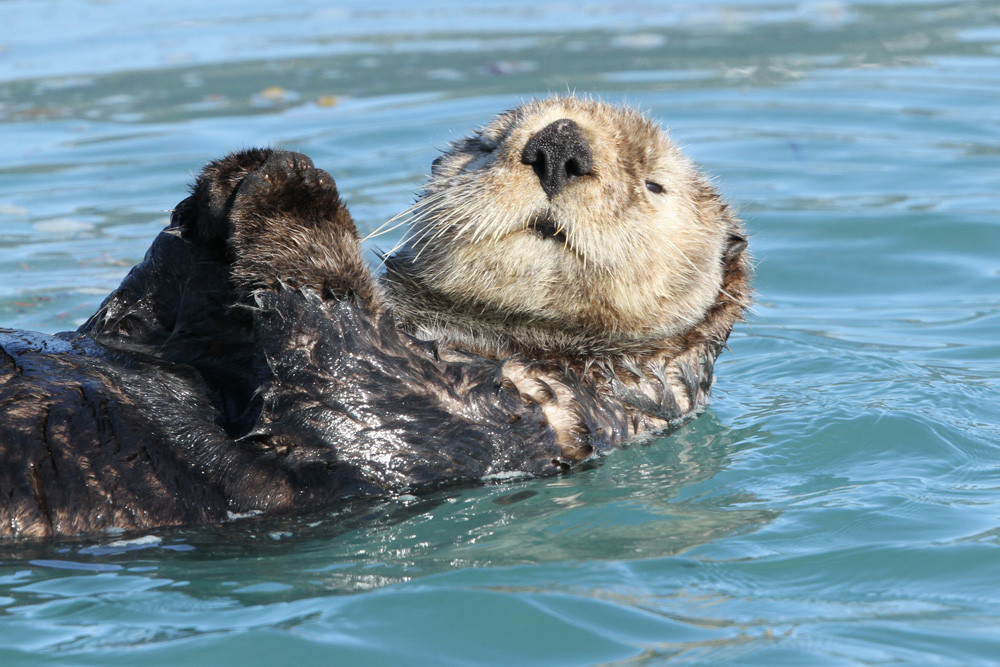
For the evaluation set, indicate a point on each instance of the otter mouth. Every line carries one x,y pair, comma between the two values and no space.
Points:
545,228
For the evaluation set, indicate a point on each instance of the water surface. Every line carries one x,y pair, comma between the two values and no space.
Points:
837,504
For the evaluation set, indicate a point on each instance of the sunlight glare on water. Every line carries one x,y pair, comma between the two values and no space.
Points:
839,501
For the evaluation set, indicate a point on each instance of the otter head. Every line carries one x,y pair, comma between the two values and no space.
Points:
565,226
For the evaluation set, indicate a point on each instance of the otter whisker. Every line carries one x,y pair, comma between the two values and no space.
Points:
384,228
381,229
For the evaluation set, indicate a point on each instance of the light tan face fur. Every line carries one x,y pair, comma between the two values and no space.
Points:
635,264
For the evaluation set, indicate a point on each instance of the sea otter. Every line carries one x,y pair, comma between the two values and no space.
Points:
568,281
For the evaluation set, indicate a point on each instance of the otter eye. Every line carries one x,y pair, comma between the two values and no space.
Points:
655,188
437,162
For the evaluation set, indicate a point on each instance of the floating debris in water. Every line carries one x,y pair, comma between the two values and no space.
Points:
274,96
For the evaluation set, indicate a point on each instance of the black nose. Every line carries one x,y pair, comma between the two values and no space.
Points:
558,154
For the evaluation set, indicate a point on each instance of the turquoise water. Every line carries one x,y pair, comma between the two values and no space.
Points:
840,501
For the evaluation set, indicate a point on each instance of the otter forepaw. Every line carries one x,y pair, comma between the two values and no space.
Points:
289,187
288,226
204,215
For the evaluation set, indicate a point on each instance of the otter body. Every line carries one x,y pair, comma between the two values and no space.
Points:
252,364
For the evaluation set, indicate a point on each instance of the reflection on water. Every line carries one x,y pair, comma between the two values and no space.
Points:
838,502
627,507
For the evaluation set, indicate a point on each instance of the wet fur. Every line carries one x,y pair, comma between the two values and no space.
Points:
250,364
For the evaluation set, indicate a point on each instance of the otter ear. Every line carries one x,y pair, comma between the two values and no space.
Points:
737,244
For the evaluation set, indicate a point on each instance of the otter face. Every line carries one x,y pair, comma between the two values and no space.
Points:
571,214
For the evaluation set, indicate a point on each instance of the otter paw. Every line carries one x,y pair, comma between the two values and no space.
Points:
289,227
289,188
204,215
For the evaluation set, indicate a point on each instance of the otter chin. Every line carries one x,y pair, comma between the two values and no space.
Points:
567,282
564,228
